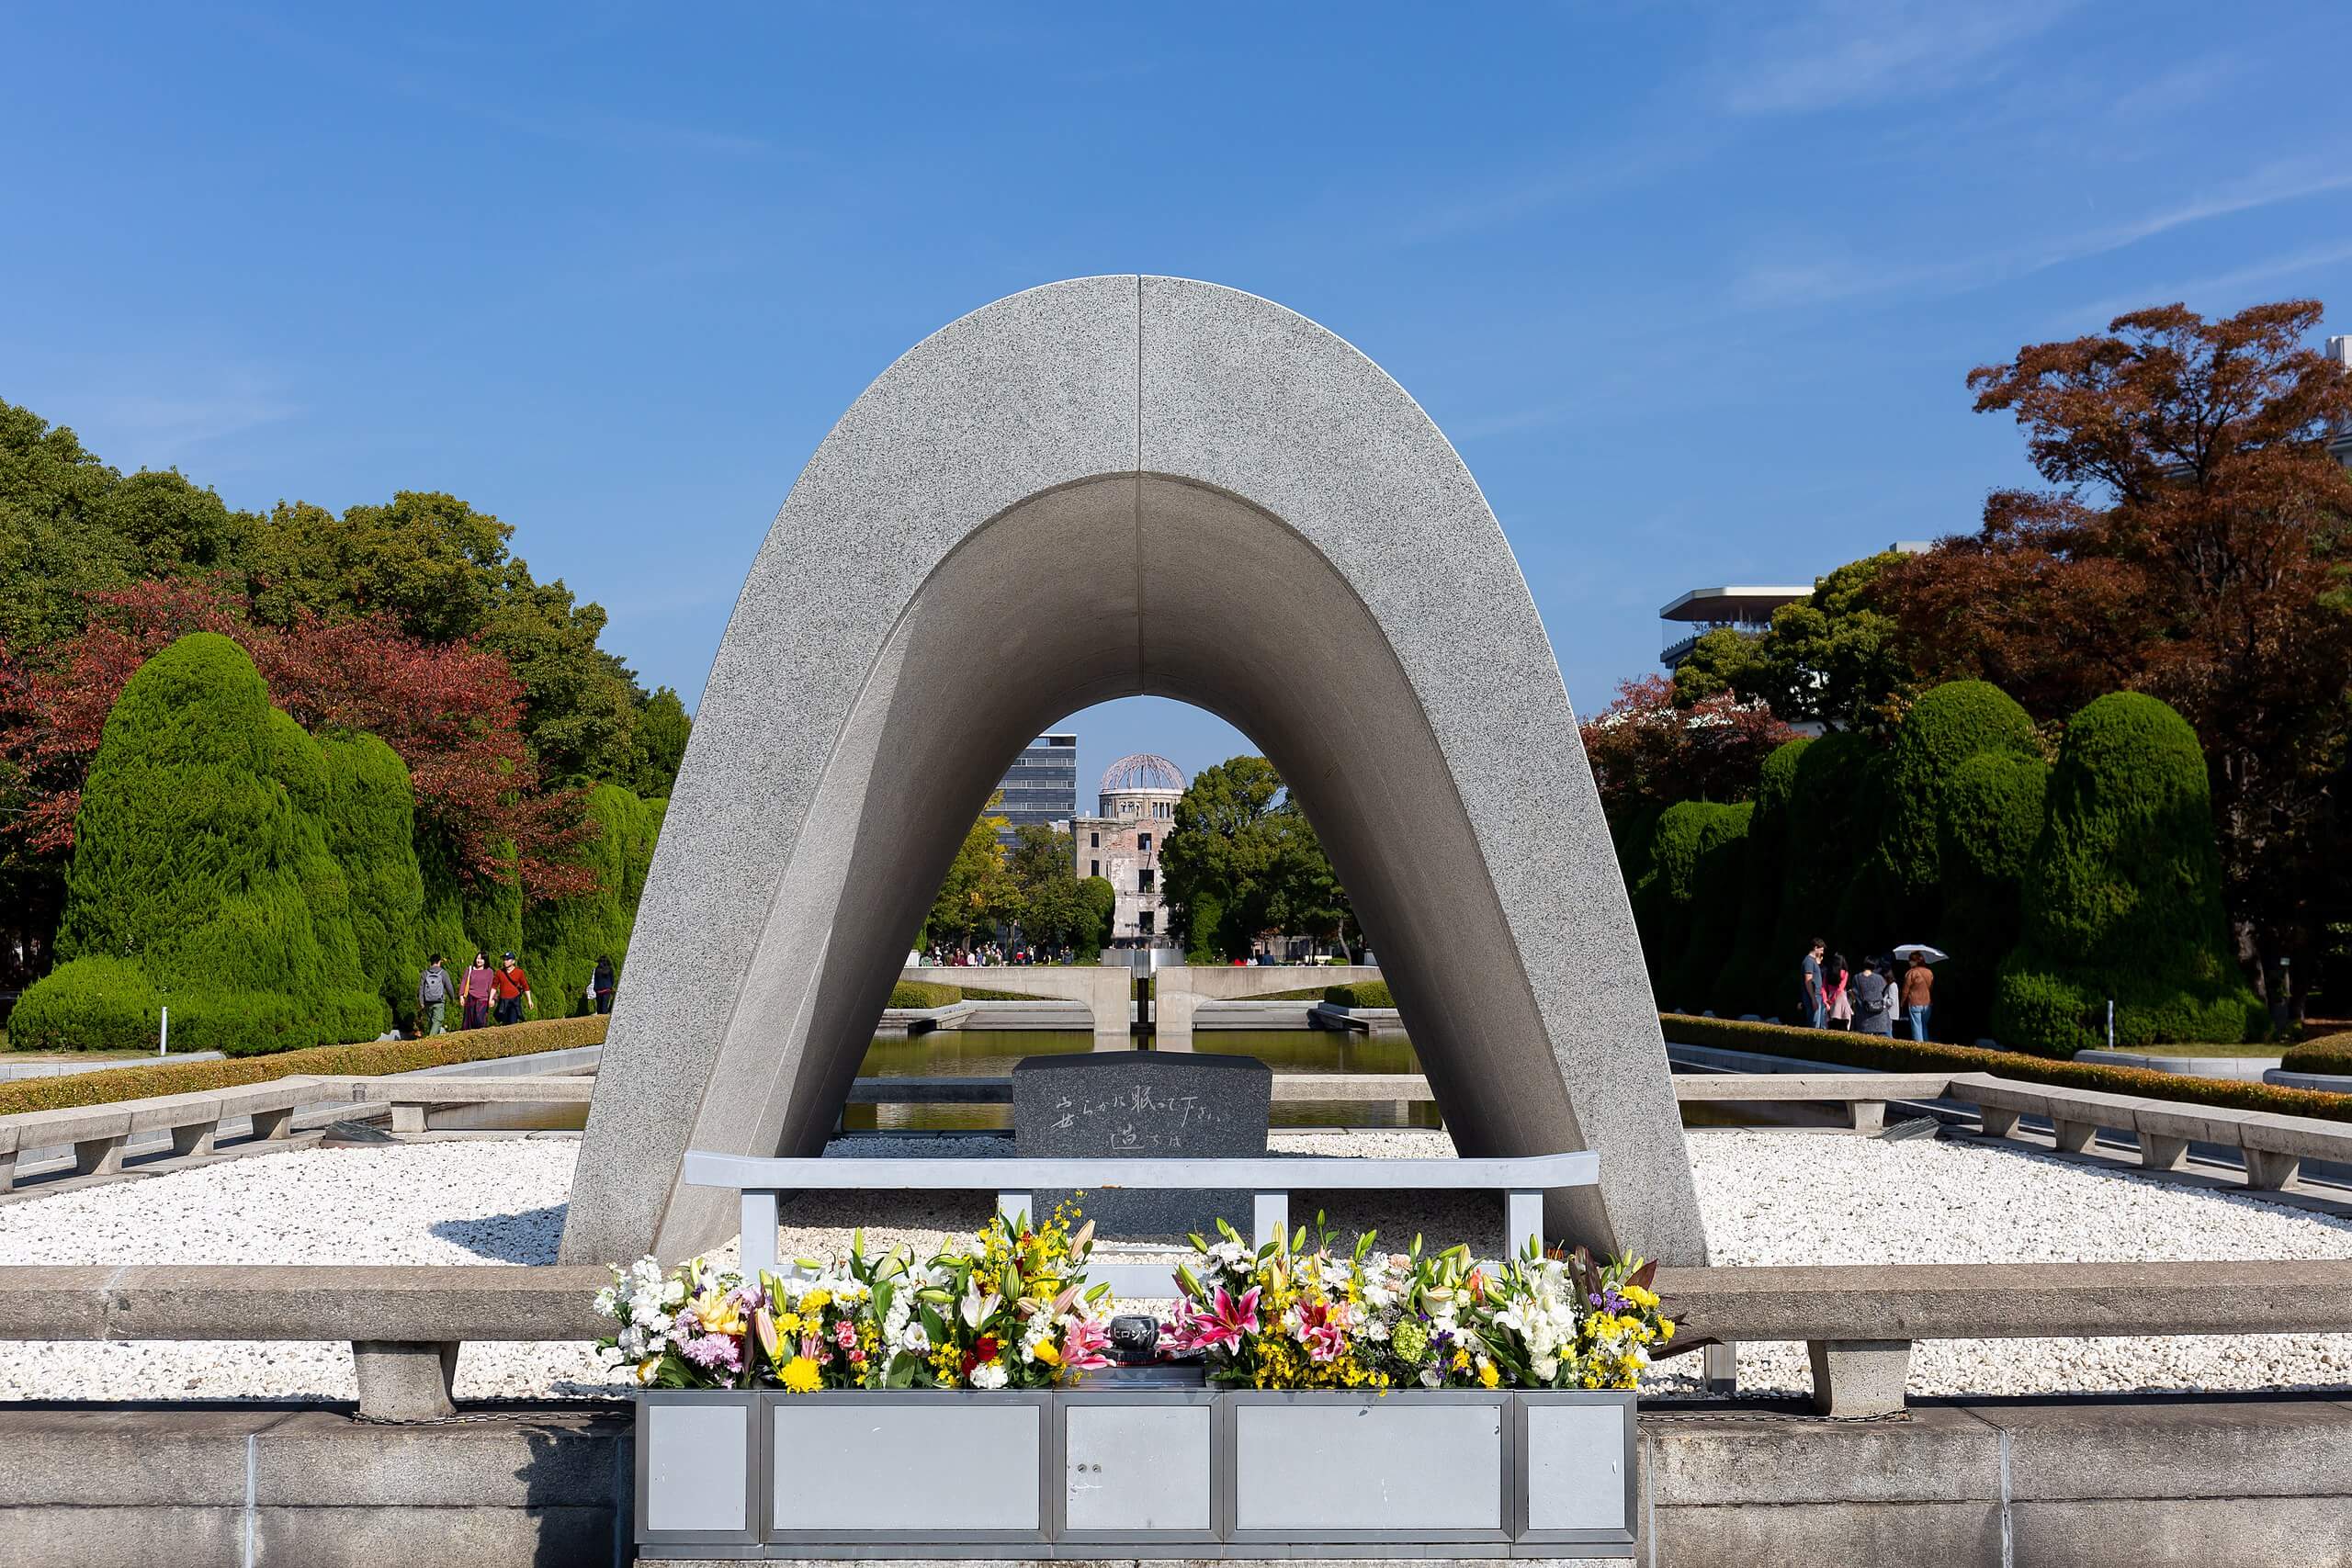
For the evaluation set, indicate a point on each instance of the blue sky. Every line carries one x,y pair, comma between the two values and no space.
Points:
1692,288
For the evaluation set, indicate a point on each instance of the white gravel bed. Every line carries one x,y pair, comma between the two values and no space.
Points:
495,1200
1819,1198
1768,1197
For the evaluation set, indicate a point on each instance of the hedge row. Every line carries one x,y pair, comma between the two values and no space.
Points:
371,1059
922,994
1881,1053
2328,1054
1360,994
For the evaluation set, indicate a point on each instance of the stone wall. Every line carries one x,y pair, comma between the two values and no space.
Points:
2157,1481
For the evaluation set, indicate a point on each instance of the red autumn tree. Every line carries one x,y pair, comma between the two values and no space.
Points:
2192,544
452,711
1646,751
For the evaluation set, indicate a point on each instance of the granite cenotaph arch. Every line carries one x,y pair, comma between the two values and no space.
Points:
1098,489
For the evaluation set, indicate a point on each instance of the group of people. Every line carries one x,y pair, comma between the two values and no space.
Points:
490,994
1867,1001
988,954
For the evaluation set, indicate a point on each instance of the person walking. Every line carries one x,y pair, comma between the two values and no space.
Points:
433,988
1816,1004
512,987
1919,991
1839,995
477,992
1873,1001
600,988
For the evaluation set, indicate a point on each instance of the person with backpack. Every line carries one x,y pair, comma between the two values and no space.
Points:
512,987
432,989
1873,1001
477,992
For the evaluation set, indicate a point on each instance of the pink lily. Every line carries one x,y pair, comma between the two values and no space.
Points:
1085,1345
1227,1322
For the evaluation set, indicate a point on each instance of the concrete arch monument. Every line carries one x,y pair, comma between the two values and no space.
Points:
1098,489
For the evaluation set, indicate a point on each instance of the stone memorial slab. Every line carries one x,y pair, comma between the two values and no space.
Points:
1143,1104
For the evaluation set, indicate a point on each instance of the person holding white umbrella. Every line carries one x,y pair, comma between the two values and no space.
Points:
1918,983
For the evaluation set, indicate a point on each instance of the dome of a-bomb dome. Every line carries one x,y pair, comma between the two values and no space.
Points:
1142,770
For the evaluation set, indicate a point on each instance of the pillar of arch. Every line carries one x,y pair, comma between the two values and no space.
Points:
1098,489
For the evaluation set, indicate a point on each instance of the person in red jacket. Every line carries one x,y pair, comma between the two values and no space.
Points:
512,987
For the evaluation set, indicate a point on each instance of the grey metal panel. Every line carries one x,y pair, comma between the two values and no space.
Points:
697,1468
1345,1467
1136,1464
908,1467
1578,1473
1529,1172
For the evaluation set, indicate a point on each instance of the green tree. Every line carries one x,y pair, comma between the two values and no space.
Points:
2122,895
70,526
658,744
1834,656
976,884
371,833
429,558
1225,863
578,703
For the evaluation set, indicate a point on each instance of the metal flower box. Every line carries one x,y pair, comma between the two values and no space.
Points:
1134,1472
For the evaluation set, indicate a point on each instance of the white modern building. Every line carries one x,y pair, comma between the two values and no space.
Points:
1746,610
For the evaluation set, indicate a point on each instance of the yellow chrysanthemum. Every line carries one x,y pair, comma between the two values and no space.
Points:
1488,1375
801,1376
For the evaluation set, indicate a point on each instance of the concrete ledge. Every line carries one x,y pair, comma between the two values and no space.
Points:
2242,1069
1986,1301
2326,1083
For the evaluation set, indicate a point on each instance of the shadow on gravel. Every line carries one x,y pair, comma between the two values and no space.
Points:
526,1237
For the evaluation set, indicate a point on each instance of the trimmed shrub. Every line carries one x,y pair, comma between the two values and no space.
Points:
199,853
1710,918
370,1058
922,994
564,937
1883,1055
1828,823
1944,728
1689,895
88,1004
1992,814
1758,976
335,993
2327,1054
2123,898
371,833
1359,994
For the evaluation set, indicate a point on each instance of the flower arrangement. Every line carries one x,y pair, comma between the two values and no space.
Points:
1010,1310
1281,1316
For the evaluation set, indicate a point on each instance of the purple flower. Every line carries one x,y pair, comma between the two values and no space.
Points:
712,1352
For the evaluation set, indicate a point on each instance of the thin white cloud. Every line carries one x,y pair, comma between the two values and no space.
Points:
1842,52
1839,277
155,426
2218,290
